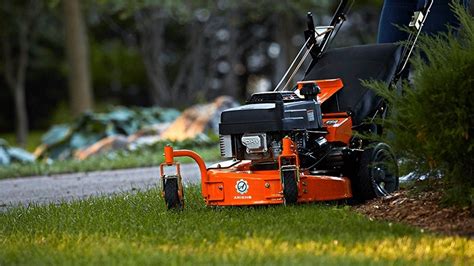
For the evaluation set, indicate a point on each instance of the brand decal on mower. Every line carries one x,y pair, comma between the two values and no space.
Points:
243,197
331,122
310,114
242,186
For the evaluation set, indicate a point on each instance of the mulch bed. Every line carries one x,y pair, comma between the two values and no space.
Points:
422,210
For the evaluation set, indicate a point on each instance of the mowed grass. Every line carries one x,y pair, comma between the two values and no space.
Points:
142,158
136,229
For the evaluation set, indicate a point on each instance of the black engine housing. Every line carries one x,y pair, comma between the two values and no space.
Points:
271,112
254,131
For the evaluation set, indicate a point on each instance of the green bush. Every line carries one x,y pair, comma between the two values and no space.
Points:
431,123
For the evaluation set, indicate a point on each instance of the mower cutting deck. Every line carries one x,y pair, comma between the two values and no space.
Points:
296,146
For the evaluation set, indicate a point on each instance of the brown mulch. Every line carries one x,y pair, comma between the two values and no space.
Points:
422,210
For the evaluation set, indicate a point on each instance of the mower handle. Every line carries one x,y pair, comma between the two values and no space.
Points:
417,22
314,47
317,50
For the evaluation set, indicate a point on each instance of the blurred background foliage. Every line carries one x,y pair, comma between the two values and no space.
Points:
169,53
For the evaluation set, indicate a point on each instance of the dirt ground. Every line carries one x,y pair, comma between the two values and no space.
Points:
423,210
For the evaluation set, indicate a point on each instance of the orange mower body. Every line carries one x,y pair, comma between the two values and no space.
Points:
236,183
303,143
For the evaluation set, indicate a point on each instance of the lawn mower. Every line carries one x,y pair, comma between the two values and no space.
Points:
303,144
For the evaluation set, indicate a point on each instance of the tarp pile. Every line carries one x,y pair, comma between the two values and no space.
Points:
199,119
123,129
13,154
130,129
63,141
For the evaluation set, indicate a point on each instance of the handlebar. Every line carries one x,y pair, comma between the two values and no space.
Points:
339,16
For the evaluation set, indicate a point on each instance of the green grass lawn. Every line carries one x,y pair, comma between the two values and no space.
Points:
137,230
141,158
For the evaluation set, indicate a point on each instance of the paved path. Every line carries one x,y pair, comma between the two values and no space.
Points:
67,187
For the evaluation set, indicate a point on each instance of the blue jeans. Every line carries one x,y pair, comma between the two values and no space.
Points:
399,12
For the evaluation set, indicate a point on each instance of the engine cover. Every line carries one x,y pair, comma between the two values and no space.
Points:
273,112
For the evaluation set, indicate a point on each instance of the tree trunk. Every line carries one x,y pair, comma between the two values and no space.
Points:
80,91
190,80
15,73
283,35
151,24
231,84
21,115
20,102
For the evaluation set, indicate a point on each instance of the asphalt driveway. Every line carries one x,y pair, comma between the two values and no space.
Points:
68,187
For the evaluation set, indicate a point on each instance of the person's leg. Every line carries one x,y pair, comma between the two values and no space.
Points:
399,12
441,16
395,12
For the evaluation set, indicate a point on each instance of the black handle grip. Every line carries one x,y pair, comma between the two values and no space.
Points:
310,21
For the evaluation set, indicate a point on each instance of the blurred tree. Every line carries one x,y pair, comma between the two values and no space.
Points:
286,21
151,23
18,21
173,52
178,86
171,84
216,39
80,91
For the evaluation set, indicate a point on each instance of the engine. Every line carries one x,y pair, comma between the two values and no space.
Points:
254,131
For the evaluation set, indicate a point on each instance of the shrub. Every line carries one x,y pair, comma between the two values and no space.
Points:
431,123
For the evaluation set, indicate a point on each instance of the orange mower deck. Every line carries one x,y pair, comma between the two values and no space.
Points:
238,185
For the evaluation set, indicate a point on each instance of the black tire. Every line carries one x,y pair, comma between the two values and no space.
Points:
377,174
171,194
290,187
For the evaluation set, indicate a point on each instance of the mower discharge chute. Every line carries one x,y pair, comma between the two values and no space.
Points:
295,146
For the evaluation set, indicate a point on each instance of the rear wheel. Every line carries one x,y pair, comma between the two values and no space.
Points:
290,187
171,196
377,173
